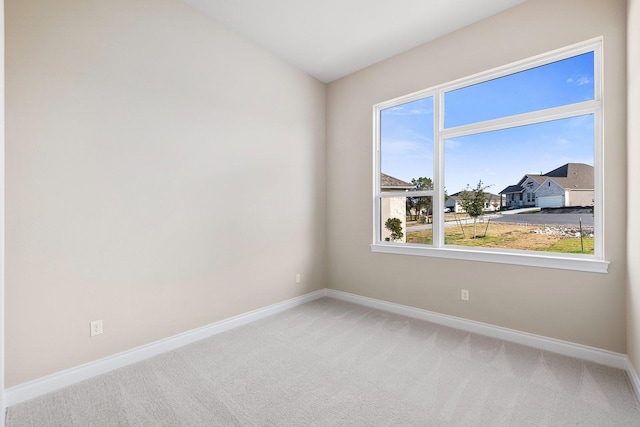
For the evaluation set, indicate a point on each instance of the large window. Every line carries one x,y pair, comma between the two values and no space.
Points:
504,166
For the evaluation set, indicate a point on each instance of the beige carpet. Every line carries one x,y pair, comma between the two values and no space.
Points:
331,363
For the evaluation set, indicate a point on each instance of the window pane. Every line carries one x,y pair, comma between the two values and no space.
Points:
535,187
552,85
406,146
406,219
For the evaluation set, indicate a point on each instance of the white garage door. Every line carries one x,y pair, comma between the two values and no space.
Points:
551,201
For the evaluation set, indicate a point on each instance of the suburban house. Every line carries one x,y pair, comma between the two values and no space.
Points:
394,207
138,135
389,183
569,185
492,203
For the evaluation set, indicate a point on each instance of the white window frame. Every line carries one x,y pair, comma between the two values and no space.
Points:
591,263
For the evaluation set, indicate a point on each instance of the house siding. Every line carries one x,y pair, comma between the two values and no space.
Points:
550,195
550,188
579,198
394,207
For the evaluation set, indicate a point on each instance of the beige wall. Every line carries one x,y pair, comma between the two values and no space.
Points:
132,129
633,160
140,138
579,307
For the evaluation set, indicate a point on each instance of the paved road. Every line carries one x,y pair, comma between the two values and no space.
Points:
549,219
535,218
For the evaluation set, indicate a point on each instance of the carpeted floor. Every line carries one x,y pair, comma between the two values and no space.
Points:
330,362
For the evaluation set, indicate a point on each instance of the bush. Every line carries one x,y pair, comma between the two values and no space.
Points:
394,225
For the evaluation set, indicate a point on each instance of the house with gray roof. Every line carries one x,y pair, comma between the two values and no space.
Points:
522,194
493,202
569,185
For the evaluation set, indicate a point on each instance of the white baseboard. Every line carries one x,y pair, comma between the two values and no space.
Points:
41,386
633,376
603,357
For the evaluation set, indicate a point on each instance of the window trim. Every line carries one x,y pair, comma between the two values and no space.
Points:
590,263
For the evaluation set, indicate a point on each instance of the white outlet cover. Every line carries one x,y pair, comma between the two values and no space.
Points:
96,327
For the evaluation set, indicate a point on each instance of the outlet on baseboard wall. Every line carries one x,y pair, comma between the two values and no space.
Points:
298,278
464,295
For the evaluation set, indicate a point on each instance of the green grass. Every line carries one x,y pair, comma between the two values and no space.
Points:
504,236
424,237
480,240
455,236
572,246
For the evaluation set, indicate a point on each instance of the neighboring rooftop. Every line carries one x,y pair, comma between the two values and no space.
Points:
568,176
573,176
388,181
512,189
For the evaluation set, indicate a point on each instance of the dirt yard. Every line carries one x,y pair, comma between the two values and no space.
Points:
505,236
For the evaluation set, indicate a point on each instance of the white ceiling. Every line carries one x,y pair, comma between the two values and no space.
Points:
332,38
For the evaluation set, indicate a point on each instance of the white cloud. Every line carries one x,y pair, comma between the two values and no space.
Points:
402,111
398,109
451,144
583,81
579,81
395,147
419,136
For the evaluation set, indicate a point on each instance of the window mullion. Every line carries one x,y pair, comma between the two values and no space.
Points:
388,194
376,176
438,170
598,211
549,114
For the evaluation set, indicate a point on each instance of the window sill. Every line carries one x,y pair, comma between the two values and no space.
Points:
543,259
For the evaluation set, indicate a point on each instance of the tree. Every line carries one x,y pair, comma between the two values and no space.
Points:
422,183
394,225
410,204
446,198
419,204
473,202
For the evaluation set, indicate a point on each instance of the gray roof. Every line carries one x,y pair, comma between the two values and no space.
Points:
389,182
536,177
512,189
576,176
573,176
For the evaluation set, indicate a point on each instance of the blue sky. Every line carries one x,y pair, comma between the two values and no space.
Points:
498,158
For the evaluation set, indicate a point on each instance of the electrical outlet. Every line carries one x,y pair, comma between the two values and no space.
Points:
298,278
96,327
464,295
